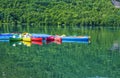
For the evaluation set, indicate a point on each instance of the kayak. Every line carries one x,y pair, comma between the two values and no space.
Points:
40,35
36,39
15,39
80,38
58,40
64,41
26,39
50,38
5,36
53,39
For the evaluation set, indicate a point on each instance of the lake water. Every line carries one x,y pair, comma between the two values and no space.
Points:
98,59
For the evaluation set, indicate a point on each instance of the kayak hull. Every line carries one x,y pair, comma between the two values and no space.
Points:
36,39
84,38
15,39
52,39
40,35
5,36
26,39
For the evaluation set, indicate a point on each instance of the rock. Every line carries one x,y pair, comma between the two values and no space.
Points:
115,47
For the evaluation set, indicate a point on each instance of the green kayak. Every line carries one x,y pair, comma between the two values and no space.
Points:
15,39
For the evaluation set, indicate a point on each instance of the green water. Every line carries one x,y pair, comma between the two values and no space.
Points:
67,60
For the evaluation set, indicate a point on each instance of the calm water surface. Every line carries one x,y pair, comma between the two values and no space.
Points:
99,59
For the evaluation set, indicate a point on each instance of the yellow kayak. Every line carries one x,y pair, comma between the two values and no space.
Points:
26,39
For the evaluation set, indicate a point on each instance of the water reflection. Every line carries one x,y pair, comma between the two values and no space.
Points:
97,77
30,43
25,43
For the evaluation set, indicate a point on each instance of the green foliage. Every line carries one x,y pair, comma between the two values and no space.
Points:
59,12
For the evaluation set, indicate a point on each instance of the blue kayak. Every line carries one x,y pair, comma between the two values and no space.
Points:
40,35
74,39
6,34
87,42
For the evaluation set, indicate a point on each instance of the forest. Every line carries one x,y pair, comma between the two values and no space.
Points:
60,12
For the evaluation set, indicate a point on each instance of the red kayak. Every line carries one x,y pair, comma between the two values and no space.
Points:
58,40
50,38
53,39
36,39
